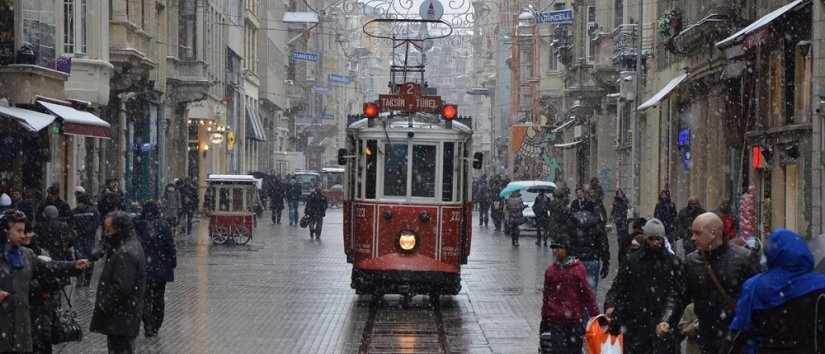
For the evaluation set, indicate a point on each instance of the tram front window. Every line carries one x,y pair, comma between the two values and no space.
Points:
395,170
423,171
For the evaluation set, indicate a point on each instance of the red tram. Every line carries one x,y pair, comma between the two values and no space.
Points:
407,206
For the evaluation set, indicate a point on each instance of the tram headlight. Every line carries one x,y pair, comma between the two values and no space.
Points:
406,241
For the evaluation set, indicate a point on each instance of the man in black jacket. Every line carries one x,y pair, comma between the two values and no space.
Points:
647,292
715,272
684,221
85,220
119,303
590,246
540,208
161,260
55,237
293,196
316,208
53,198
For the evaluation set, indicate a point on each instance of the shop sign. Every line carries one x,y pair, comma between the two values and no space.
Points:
757,38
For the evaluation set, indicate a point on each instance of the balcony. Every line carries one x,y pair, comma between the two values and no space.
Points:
187,80
695,37
626,48
24,82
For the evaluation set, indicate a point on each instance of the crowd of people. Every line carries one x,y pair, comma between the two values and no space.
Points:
288,191
45,243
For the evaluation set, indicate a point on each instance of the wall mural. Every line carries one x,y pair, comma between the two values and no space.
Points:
535,159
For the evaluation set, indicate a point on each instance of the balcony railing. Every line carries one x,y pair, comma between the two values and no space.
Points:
626,45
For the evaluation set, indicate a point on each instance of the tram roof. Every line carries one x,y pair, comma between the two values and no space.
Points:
402,122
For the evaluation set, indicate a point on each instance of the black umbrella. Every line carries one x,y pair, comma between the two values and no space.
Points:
540,188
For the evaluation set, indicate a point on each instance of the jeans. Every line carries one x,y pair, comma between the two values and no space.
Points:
120,344
293,212
594,269
153,313
186,216
483,213
276,215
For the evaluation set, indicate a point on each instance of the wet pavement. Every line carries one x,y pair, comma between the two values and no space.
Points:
285,293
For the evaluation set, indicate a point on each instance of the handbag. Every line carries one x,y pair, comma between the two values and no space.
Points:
66,327
305,221
598,339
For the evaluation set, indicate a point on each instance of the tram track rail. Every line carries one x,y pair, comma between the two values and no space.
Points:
397,327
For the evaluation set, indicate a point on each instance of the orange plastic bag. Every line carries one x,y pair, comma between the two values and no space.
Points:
598,340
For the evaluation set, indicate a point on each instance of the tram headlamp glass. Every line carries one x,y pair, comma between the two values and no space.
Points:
406,241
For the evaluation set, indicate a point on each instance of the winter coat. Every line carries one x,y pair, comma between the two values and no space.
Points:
316,205
514,207
188,196
293,193
85,220
684,221
483,194
647,290
277,195
733,265
171,203
56,238
28,207
666,212
111,201
159,249
619,214
44,299
540,208
559,218
582,205
567,296
63,208
119,303
15,316
590,241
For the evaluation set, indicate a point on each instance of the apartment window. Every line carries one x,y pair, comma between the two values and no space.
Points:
186,32
618,12
592,27
552,60
39,30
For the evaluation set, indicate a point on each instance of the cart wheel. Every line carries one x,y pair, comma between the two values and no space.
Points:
219,235
241,235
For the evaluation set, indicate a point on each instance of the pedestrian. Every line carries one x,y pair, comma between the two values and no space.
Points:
684,221
85,221
161,260
293,197
112,198
316,208
582,202
728,220
715,272
590,246
645,298
666,213
559,219
619,217
188,201
483,199
30,204
53,198
568,301
497,203
747,214
120,293
171,207
277,199
45,292
56,237
18,267
540,209
637,235
779,311
597,198
514,208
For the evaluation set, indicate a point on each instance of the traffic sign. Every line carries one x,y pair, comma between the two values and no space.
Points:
559,17
431,10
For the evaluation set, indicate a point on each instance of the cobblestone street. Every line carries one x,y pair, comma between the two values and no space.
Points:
284,293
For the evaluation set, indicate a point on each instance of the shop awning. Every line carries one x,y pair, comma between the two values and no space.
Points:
762,22
568,145
80,123
663,92
31,120
254,127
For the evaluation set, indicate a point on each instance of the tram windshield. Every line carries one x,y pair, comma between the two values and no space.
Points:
395,170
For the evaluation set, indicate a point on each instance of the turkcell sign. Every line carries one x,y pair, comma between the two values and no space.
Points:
559,17
336,79
305,56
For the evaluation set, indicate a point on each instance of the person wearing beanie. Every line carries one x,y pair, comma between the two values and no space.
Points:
5,201
651,279
567,301
55,236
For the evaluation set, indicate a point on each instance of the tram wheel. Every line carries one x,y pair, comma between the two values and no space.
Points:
242,235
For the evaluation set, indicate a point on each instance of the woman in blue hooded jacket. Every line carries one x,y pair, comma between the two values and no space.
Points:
783,309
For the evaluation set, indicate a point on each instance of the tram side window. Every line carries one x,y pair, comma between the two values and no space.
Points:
423,171
223,199
360,163
447,186
395,170
372,167
237,199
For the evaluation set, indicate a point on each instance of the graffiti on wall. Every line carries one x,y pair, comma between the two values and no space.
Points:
533,157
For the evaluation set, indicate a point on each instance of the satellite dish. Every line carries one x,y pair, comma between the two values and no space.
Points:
431,10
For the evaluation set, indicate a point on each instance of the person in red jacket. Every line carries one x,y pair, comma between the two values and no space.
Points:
568,301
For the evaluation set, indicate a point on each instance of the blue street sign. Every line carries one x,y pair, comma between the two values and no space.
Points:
335,79
305,56
321,90
327,115
559,17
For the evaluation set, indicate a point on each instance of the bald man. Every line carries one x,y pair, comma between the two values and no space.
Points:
715,272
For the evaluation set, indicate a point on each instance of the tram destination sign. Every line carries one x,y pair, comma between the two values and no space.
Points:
409,103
